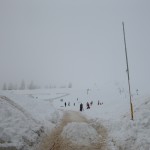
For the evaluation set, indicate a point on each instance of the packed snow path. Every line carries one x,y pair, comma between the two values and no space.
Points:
55,141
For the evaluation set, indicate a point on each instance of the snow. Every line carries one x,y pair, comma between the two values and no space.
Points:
80,133
136,133
23,119
15,127
26,114
40,111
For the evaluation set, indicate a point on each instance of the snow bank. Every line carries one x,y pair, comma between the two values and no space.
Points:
137,133
123,133
16,128
23,118
40,110
80,133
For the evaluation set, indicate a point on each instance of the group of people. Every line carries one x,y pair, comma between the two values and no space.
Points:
66,104
69,104
88,105
100,103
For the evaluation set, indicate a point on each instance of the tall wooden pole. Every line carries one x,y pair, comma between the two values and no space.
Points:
131,106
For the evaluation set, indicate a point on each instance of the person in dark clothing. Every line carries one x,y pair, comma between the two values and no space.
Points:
91,103
68,103
65,104
81,107
88,105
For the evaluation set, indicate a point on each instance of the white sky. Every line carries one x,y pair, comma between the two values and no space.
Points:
78,41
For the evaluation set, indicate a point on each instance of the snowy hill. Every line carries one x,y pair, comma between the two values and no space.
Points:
26,115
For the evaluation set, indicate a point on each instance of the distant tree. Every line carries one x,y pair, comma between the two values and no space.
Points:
46,87
62,86
22,86
15,87
49,86
54,86
10,86
88,91
70,85
31,85
137,92
120,91
38,87
4,86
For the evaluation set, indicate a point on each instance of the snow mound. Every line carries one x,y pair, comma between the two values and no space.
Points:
80,133
15,127
132,135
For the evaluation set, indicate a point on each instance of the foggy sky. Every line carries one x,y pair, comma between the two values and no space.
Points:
78,41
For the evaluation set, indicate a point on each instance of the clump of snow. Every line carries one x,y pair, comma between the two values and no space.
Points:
55,117
80,133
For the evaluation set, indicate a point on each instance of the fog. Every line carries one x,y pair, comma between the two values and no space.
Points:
77,41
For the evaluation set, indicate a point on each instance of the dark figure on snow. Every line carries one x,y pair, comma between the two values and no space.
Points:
91,103
81,107
137,92
88,105
98,102
68,103
65,104
74,104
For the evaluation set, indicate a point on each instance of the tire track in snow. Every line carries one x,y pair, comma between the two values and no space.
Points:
54,141
51,99
18,107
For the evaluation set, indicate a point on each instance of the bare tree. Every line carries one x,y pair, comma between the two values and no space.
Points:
70,85
10,86
31,85
15,86
22,86
4,86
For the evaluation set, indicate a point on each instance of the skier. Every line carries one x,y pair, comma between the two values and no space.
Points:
91,103
68,103
65,104
81,107
137,92
88,106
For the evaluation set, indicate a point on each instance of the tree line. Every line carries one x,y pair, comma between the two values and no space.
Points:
30,86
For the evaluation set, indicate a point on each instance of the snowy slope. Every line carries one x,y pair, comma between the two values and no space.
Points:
16,127
135,134
114,114
24,118
23,114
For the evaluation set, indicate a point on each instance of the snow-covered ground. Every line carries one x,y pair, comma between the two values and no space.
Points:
25,115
